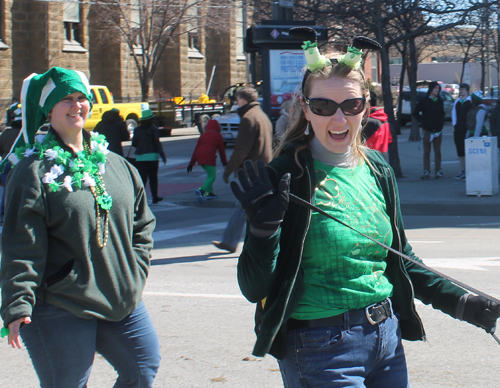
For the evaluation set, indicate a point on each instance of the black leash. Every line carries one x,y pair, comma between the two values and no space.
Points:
301,202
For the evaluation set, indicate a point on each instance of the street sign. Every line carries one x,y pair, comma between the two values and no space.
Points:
264,34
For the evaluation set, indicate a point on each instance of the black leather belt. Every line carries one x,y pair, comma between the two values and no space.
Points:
372,314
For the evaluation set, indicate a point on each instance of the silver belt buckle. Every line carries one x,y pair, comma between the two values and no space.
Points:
367,313
368,316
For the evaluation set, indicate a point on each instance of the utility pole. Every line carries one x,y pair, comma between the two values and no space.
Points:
245,26
498,48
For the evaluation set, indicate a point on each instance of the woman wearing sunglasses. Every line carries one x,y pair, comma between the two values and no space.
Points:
332,306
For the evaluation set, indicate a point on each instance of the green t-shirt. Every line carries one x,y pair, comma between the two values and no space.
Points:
343,270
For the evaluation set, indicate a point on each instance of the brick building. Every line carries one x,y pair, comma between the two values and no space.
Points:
36,35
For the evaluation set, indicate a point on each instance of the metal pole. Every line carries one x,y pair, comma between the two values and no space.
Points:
245,26
488,32
498,42
211,79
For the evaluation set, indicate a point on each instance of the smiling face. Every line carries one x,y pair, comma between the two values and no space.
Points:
70,114
337,132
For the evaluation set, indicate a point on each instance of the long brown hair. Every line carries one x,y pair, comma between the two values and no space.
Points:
295,132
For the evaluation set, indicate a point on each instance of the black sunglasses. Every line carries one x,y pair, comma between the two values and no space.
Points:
325,107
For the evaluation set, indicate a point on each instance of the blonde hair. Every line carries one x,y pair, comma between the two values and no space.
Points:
295,131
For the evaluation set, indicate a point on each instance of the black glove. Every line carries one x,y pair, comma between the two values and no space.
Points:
264,206
481,312
190,168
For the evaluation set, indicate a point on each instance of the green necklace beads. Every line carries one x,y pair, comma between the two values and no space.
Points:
70,172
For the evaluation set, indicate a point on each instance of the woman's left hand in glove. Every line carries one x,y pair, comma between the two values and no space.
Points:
264,206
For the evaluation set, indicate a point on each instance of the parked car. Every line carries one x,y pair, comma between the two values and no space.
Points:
453,89
491,98
421,93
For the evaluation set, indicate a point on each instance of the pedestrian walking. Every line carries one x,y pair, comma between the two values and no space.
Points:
205,153
254,142
332,306
76,244
477,116
430,114
377,131
114,128
148,152
459,120
7,139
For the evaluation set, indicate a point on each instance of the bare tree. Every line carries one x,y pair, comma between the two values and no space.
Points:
409,19
148,27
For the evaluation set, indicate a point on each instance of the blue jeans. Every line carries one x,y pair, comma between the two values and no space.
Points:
235,227
62,347
336,357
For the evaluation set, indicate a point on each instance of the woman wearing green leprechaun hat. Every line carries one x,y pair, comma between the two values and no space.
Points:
76,244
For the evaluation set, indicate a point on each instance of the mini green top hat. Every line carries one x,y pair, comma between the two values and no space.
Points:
315,61
147,114
39,94
355,52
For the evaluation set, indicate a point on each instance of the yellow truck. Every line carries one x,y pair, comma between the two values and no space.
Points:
102,101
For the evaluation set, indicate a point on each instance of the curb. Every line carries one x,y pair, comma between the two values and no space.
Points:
449,209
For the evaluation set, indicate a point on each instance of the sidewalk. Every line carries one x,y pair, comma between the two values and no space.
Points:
418,197
437,196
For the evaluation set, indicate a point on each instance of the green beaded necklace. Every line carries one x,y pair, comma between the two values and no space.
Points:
70,172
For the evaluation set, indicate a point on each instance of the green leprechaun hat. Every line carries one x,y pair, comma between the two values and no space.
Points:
39,94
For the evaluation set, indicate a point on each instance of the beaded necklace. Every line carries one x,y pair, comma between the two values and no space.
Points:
86,167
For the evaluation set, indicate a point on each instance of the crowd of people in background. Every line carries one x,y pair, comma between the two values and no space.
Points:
469,117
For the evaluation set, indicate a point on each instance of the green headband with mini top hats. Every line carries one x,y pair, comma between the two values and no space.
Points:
39,94
316,61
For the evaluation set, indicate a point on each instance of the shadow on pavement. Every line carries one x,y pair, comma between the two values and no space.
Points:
193,259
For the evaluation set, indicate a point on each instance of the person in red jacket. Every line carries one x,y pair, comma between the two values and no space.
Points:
205,153
377,132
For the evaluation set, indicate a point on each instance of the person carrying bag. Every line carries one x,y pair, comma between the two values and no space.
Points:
148,151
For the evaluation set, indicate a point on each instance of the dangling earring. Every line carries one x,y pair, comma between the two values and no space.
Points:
49,117
306,132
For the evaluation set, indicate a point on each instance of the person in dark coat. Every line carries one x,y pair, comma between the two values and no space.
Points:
461,106
430,114
255,139
8,138
205,153
114,128
148,151
495,122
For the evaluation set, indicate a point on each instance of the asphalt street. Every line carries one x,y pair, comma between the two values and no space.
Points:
206,327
